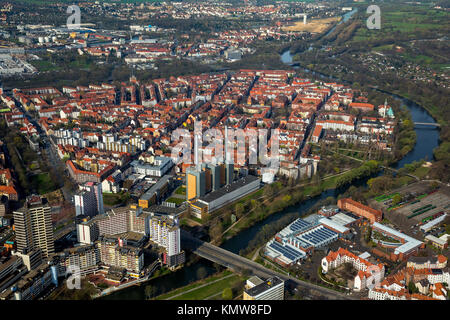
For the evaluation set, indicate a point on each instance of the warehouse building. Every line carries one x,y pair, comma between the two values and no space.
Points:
225,195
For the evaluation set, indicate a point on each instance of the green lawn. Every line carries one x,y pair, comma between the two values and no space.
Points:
42,183
43,65
177,201
112,199
181,191
203,292
404,19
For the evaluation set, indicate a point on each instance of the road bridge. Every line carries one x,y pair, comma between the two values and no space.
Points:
238,263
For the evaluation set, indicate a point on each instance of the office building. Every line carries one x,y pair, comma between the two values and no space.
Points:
207,178
158,168
89,200
156,192
115,253
225,195
165,232
33,226
87,231
215,176
271,289
195,183
87,258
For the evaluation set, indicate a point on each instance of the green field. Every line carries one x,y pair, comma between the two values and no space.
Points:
43,65
112,199
43,183
177,201
403,19
181,191
201,293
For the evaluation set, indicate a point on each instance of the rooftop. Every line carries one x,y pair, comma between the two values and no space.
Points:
228,188
266,285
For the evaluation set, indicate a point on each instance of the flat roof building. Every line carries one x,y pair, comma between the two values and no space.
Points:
33,226
360,209
225,195
271,289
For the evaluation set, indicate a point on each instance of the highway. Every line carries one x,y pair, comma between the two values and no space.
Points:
237,263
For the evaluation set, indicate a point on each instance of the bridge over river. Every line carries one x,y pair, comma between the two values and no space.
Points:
238,263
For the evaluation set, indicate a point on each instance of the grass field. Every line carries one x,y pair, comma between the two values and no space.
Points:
317,26
404,19
203,289
42,183
43,65
177,201
181,191
112,199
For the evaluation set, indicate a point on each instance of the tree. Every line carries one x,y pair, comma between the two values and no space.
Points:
215,230
239,210
368,234
227,294
412,288
150,291
201,273
268,191
396,199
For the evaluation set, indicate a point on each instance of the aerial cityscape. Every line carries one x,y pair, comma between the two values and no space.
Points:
224,150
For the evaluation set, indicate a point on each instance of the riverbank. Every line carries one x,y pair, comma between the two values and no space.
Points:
284,198
427,139
203,289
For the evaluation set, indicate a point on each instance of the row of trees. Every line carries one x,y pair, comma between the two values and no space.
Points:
365,170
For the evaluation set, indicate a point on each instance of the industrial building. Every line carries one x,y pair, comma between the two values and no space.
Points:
225,195
403,249
433,223
361,210
294,242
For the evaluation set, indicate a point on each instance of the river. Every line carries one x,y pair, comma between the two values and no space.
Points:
427,140
345,18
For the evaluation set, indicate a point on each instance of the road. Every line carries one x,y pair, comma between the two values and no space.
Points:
236,262
50,151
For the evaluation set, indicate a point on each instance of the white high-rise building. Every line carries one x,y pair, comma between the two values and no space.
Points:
89,201
33,226
166,232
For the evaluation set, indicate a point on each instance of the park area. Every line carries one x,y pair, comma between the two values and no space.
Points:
212,288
